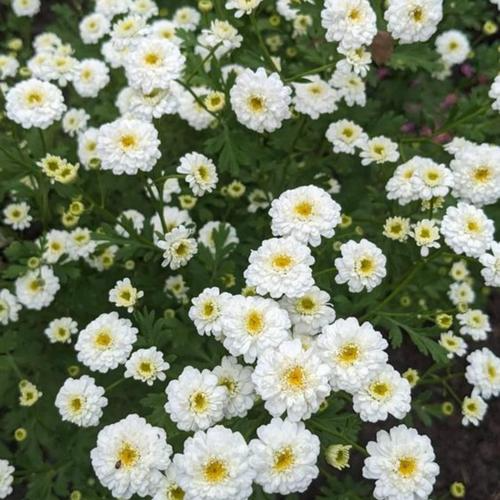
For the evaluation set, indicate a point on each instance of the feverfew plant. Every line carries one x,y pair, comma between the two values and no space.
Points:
247,247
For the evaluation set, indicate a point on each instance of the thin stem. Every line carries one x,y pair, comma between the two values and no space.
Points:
452,392
340,436
42,140
262,45
114,384
159,208
311,71
203,62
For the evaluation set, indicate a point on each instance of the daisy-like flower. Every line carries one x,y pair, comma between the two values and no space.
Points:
93,27
242,7
402,464
195,400
357,60
17,215
87,147
346,136
352,23
237,379
385,393
252,325
146,365
476,174
106,342
215,466
491,265
6,478
221,38
127,146
8,66
310,312
453,344
123,294
80,243
494,93
207,234
361,266
260,102
461,293
400,186
459,271
173,217
453,47
33,103
338,456
200,172
132,217
9,307
144,8
473,409
284,457
154,64
291,379
186,18
192,111
379,150
353,352
178,247
29,393
28,8
467,230
80,401
206,311
37,289
56,245
475,323
111,8
426,235
349,85
177,287
315,97
129,457
411,21
431,179
61,329
305,213
280,266
169,488
483,372
75,121
155,104
397,228
163,28
90,76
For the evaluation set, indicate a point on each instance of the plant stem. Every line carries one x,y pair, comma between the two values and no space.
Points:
262,45
340,436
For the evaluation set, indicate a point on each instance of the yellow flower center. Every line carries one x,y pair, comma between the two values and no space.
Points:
380,390
229,384
254,322
34,98
146,368
76,404
284,459
304,209
128,141
407,466
36,285
256,104
354,15
492,372
417,14
482,174
203,173
295,378
306,305
473,226
198,402
348,354
175,493
127,456
152,59
103,339
215,471
282,262
365,266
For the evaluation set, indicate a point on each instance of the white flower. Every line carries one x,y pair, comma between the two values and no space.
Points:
476,174
169,488
475,323
8,66
467,230
237,380
461,293
491,265
397,228
127,146
242,6
33,103
93,27
145,8
177,287
453,47
473,409
126,34
206,311
385,393
17,215
9,307
75,121
106,342
208,234
26,7
315,97
346,136
402,463
362,265
379,150
111,8
430,180
123,294
89,77
459,271
133,218
222,36
453,344
280,266
200,172
214,466
178,247
61,329
349,85
163,28
37,289
80,243
6,478
291,379
87,144
146,365
195,400
258,199
401,186
192,111
494,93
129,457
357,60
252,325
173,217
260,102
306,213
284,457
154,64
412,21
29,393
483,372
309,312
352,23
426,235
354,353
80,401
186,18
56,245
